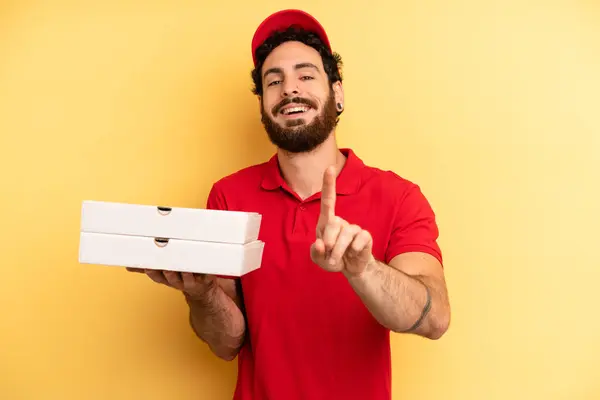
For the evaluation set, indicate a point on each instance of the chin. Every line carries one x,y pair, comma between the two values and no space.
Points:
287,122
295,123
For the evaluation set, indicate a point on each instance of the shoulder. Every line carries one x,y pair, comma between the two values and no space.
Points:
230,189
389,185
248,176
411,218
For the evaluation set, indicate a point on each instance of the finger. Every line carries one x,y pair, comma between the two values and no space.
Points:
345,238
157,276
317,252
328,194
361,244
136,270
196,284
173,279
188,280
331,232
205,279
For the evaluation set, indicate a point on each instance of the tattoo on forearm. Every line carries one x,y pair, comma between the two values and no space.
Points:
426,308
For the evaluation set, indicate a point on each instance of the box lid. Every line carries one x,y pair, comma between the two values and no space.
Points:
170,222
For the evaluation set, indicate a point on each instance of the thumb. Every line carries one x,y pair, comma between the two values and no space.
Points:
317,251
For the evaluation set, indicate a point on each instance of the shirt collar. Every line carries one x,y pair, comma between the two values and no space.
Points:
347,182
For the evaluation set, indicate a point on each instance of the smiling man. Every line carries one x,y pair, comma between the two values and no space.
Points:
351,250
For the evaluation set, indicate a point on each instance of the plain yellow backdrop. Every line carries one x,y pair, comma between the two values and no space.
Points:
493,107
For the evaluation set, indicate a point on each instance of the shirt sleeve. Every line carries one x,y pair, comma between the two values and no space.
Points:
216,199
415,228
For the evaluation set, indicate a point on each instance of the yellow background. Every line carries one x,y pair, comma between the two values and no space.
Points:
493,107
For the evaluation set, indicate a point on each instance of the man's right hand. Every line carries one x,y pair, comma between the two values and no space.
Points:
215,308
194,286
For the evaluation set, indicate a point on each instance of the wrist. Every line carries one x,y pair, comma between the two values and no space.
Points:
364,273
204,297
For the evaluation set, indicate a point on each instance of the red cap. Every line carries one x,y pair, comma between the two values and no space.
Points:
282,20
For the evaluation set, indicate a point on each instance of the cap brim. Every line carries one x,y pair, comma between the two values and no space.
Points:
284,19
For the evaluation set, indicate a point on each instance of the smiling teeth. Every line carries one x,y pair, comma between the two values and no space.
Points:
294,109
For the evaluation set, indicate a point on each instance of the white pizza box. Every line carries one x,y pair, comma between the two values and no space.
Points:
181,255
170,222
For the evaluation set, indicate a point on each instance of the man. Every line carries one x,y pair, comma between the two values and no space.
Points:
350,253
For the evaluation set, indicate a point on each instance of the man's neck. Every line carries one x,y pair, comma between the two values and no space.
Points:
303,172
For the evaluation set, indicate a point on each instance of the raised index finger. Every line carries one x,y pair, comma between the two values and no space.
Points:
328,194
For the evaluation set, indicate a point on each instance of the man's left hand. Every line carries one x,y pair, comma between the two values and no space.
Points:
340,246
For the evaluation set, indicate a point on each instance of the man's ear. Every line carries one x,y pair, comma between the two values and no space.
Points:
338,90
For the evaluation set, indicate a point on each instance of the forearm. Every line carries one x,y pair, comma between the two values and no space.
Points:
218,321
400,302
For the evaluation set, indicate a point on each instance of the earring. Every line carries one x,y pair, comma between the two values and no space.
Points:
339,106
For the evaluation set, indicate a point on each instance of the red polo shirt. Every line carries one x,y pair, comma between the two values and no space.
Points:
309,335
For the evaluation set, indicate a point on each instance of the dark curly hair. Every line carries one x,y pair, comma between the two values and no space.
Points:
332,62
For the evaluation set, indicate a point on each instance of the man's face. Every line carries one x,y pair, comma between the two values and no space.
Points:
298,105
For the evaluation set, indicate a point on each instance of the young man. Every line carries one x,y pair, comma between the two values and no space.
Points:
351,251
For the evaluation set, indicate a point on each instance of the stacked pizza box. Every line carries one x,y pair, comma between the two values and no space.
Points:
205,241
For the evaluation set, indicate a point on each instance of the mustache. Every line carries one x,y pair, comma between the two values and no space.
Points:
295,100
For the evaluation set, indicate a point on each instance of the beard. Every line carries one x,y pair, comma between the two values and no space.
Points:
298,136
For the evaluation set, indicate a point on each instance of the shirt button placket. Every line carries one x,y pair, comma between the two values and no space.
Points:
298,218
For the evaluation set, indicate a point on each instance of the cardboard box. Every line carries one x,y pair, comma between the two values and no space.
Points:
170,254
174,223
177,239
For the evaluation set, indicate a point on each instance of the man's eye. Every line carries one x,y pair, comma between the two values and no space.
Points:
274,83
307,77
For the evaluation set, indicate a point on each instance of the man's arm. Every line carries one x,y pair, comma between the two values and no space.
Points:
217,317
216,308
408,295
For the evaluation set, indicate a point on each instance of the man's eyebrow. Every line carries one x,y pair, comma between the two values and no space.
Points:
277,70
273,70
306,65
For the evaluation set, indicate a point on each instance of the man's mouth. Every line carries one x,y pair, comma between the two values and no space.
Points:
294,110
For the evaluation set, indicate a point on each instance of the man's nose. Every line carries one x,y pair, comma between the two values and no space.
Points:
290,88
